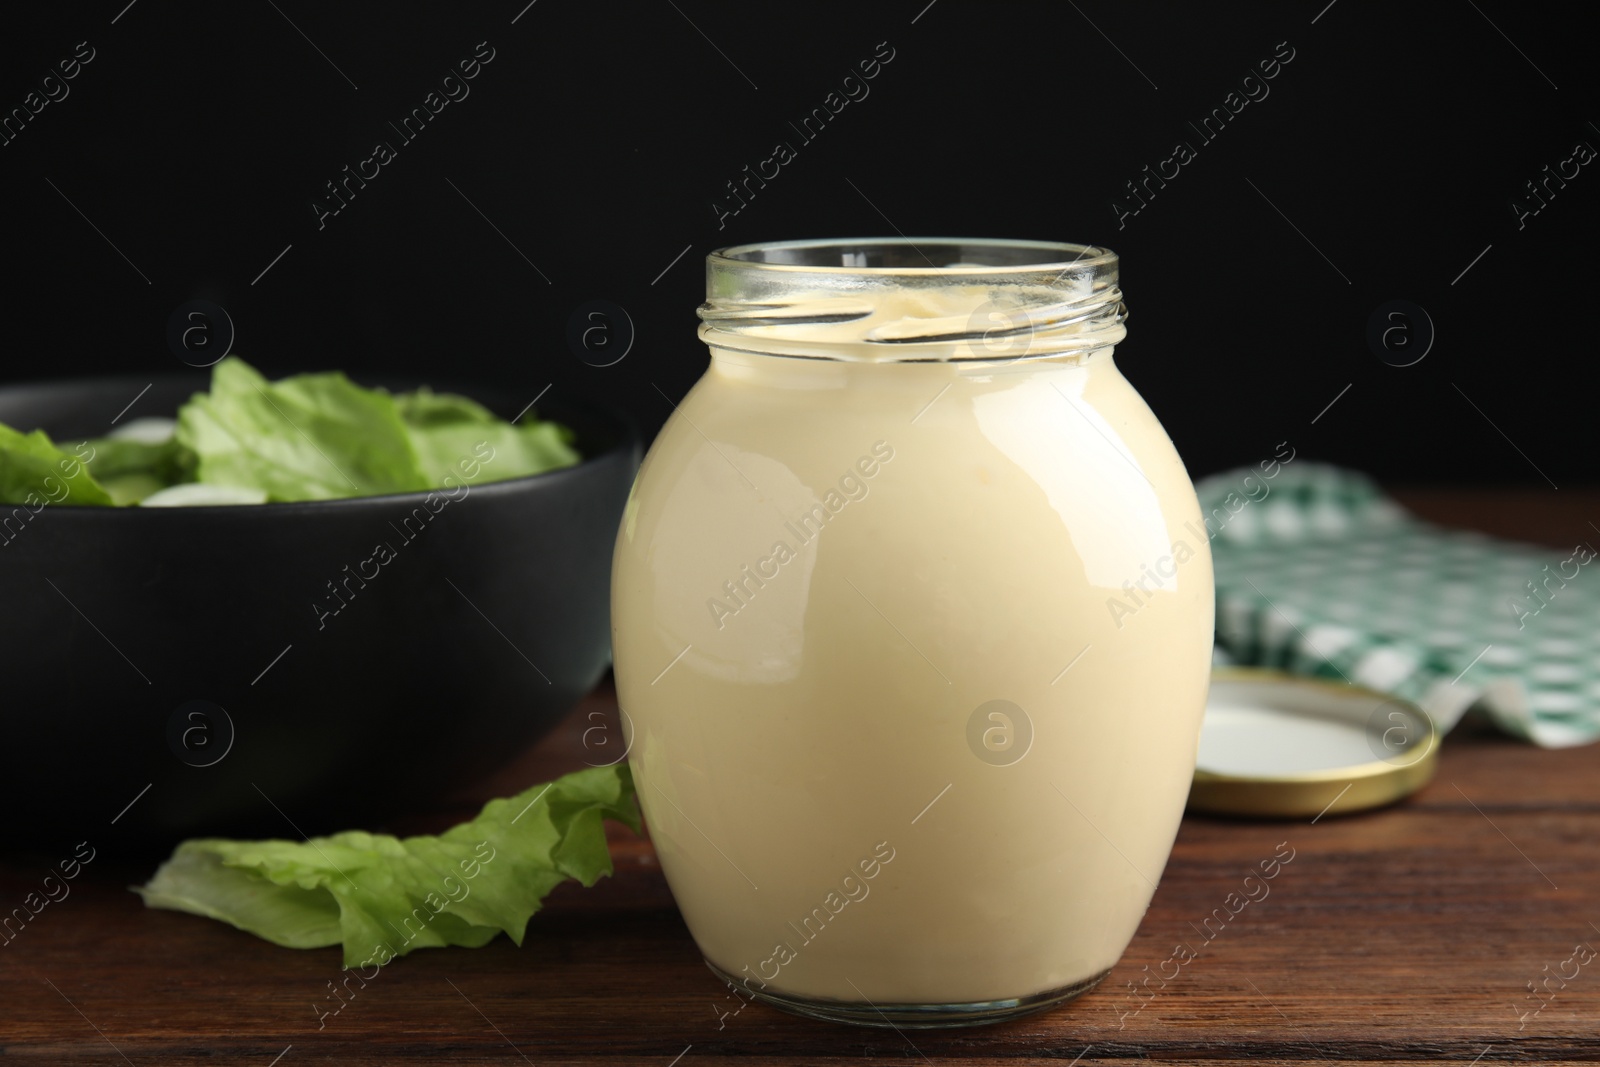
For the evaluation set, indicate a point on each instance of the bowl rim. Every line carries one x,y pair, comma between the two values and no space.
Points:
627,440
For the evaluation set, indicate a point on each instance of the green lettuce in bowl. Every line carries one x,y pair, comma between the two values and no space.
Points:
248,440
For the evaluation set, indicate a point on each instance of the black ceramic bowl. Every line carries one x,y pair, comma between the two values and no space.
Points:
171,672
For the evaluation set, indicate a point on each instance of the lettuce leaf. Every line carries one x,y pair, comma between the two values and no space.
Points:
33,471
454,436
199,494
492,452
423,409
383,897
131,469
308,437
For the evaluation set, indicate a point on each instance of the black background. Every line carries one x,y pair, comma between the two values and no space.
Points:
598,137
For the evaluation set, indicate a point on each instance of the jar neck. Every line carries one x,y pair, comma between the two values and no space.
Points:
908,301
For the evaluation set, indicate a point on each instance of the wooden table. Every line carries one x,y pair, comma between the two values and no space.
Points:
1409,934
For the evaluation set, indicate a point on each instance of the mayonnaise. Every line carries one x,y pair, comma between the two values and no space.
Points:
829,571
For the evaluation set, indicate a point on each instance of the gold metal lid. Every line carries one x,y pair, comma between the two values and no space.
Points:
1286,746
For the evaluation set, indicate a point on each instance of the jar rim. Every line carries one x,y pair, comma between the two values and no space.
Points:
888,299
964,256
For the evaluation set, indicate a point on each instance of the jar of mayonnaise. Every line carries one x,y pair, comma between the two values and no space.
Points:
912,608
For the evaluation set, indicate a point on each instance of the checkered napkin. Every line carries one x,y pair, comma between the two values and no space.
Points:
1318,573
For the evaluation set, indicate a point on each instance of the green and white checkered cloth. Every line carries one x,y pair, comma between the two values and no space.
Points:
1318,573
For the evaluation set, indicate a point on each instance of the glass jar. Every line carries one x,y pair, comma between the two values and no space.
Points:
912,611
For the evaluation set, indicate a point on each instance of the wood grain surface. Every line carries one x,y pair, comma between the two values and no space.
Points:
1408,935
